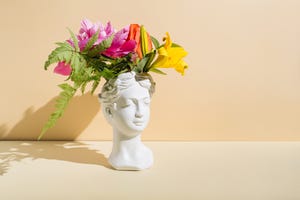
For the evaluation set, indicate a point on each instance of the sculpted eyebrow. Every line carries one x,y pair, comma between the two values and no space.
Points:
136,99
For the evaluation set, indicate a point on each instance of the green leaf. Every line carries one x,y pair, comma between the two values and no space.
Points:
149,61
144,64
92,41
101,47
75,62
140,66
61,53
118,66
175,45
83,86
95,85
66,45
82,77
75,40
97,64
155,42
107,74
61,104
157,71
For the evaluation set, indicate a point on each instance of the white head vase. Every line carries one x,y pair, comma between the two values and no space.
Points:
125,103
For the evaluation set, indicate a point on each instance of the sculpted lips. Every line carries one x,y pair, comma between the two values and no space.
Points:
138,123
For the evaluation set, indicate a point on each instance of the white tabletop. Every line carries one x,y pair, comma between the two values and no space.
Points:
182,170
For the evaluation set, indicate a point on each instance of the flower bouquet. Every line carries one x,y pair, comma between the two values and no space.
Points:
99,51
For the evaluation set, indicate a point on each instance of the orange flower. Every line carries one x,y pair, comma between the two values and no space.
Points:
135,31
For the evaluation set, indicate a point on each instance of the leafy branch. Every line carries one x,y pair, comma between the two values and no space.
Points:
61,103
85,69
63,52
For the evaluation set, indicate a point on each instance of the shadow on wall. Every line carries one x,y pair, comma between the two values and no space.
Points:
3,129
77,152
79,113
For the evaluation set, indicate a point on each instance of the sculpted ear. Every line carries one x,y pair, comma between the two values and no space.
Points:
109,110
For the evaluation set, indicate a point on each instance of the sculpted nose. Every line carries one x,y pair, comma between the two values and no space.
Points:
139,111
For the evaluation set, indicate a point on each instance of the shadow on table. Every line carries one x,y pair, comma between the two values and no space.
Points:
77,152
80,112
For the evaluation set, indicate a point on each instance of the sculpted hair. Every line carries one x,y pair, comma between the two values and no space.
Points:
112,88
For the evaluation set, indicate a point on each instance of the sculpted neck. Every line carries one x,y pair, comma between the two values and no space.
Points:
122,142
129,153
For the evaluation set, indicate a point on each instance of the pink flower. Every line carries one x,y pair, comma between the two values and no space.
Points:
88,29
120,45
63,69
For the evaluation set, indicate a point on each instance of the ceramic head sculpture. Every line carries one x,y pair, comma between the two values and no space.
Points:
125,103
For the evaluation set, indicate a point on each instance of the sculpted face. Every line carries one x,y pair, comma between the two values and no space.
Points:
130,113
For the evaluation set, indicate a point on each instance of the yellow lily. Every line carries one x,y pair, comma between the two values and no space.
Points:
171,56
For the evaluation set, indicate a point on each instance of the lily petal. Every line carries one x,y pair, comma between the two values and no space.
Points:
170,57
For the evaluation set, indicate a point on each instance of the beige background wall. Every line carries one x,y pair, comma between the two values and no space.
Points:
243,82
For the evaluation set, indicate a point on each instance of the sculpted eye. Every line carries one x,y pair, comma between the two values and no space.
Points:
126,103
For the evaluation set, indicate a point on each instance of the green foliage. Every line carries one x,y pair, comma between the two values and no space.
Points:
81,75
101,47
77,62
96,63
155,42
66,45
91,41
61,104
175,45
150,57
153,69
75,41
64,52
109,68
96,82
141,64
107,74
144,64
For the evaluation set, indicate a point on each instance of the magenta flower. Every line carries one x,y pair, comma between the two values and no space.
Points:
63,69
120,45
88,29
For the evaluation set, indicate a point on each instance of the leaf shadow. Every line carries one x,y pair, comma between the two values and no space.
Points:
3,129
77,152
77,116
